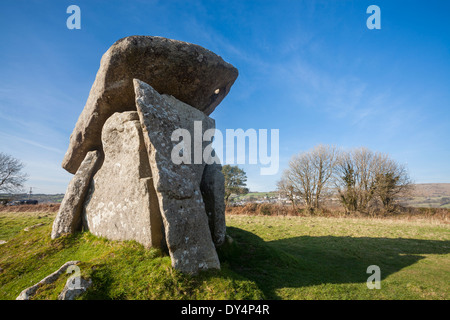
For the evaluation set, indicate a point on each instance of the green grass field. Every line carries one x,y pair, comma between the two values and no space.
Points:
270,258
327,258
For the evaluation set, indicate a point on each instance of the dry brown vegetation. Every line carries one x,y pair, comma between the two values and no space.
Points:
408,213
266,209
45,207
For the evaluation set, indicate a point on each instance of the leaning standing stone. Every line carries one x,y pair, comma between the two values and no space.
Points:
177,185
68,218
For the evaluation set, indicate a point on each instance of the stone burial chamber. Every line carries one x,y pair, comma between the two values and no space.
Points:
125,184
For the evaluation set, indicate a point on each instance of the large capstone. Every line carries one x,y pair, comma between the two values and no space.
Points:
190,73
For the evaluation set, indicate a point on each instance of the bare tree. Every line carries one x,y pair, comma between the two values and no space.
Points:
345,180
286,188
324,159
11,176
364,177
357,170
391,182
310,174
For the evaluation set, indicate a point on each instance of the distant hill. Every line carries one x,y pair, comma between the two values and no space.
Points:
431,190
429,195
420,190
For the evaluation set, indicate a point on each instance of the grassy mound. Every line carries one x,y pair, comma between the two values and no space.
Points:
119,270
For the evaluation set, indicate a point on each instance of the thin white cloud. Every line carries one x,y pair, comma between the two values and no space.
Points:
11,138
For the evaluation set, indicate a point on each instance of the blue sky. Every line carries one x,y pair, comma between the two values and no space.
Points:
311,69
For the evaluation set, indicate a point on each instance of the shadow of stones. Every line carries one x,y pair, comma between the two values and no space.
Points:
102,283
306,261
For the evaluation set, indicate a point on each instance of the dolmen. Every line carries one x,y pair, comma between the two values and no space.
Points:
129,182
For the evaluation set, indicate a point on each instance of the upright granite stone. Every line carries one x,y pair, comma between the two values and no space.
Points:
188,72
177,186
121,203
68,218
213,190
